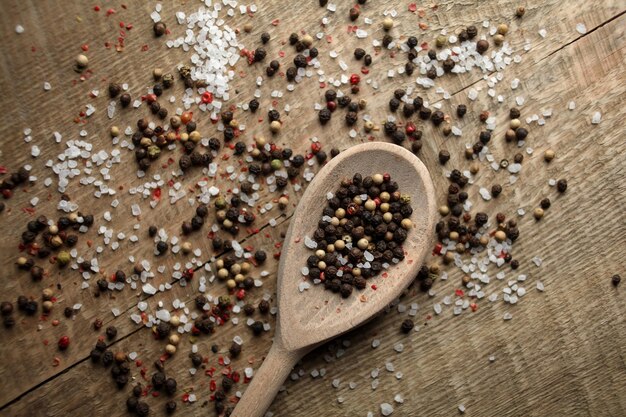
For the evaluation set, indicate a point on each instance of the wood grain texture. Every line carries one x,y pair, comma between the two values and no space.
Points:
561,354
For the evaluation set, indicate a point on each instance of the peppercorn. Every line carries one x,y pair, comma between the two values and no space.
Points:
159,29
471,32
234,350
407,325
394,103
324,116
514,264
161,247
482,46
519,12
615,280
496,189
300,61
170,406
386,41
367,60
359,53
416,146
409,67
291,73
444,156
424,113
114,90
142,409
437,117
351,118
353,13
111,332
448,64
561,185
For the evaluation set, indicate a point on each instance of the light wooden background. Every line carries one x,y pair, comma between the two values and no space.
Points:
563,352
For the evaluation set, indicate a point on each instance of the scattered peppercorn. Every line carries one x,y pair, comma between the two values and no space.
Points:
615,280
159,29
407,325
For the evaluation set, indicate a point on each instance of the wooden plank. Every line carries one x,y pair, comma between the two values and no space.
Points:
57,61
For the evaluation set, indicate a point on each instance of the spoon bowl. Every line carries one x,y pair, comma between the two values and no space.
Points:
310,316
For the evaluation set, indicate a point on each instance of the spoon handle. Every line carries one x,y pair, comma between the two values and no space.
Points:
266,382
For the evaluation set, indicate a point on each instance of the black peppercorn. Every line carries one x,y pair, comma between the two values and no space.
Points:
170,386
496,189
359,53
351,118
424,113
394,103
545,203
170,406
253,105
114,90
131,403
437,117
409,67
324,116
387,39
444,156
265,37
407,326
471,32
615,280
161,247
521,133
300,61
485,136
561,185
353,13
293,38
264,306
234,350
448,64
367,60
111,332
291,73
259,54
408,109
159,29
482,46
142,409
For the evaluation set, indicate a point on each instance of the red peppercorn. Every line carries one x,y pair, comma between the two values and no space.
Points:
64,342
241,293
186,117
151,98
316,147
355,79
386,177
331,105
352,209
207,97
410,128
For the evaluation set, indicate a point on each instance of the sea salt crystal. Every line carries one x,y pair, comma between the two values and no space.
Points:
571,105
540,286
596,118
19,29
398,398
507,316
437,308
543,33
35,151
375,343
537,261
310,243
398,347
581,28
386,409
461,408
149,289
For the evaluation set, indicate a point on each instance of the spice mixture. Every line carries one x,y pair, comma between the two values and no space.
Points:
360,233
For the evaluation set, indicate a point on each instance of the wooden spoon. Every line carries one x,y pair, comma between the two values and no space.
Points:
308,318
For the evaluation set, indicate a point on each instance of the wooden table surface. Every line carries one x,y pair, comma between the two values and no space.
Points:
561,354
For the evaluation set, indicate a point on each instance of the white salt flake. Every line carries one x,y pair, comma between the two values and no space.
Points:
386,409
581,28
